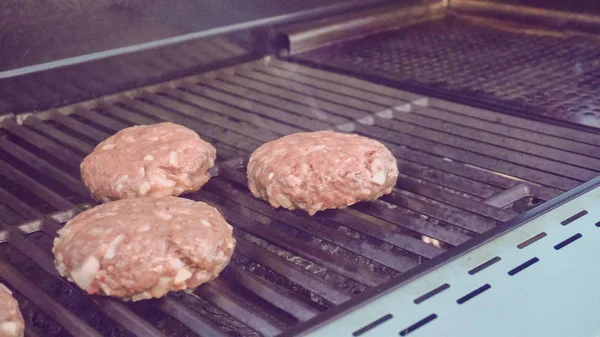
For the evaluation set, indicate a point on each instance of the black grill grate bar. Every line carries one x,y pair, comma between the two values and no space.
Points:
288,105
189,318
297,247
65,139
379,102
52,308
456,118
517,122
460,155
45,144
332,92
379,229
243,128
271,107
46,149
318,104
310,226
210,106
458,168
440,211
381,211
129,117
100,120
223,298
10,218
49,196
261,302
233,141
296,274
351,82
504,141
274,113
475,189
343,100
478,147
452,199
16,205
282,298
43,167
133,117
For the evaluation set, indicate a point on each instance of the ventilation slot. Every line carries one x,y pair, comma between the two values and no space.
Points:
473,294
432,293
568,241
484,265
523,266
372,325
531,240
574,217
418,324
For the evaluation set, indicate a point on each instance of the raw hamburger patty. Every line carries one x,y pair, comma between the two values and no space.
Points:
11,320
321,170
142,248
149,160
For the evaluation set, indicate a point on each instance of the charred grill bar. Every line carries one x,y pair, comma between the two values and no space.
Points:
463,171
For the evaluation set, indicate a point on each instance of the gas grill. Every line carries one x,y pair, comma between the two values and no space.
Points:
489,168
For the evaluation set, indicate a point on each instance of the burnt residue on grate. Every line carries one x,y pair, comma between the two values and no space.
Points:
555,74
288,267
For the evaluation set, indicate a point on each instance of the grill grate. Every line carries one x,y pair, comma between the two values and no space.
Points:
546,72
463,171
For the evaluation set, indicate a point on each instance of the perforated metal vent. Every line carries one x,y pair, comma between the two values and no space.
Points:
555,74
539,279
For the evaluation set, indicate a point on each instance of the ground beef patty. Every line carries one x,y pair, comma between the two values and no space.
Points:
321,170
148,160
11,320
142,248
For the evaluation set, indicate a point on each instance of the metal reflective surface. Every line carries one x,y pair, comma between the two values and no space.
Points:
534,70
35,32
